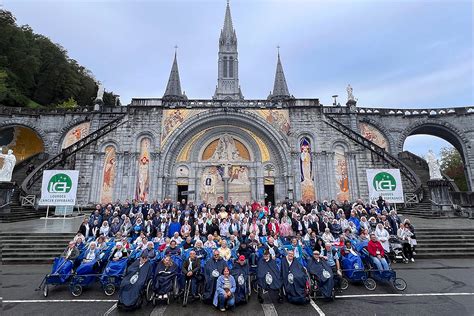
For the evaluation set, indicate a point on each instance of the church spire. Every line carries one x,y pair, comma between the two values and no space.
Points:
280,89
173,89
228,87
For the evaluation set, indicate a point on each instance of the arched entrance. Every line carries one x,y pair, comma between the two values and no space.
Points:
224,158
24,141
447,133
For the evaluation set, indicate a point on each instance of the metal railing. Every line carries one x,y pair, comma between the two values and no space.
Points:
409,174
67,152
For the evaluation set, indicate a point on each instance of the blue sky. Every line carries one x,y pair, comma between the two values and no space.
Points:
404,53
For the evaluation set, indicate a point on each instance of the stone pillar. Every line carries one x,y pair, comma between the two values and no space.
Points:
439,192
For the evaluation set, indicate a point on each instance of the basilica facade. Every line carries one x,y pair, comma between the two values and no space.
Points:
230,148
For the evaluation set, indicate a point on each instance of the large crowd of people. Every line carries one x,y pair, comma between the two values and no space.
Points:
234,233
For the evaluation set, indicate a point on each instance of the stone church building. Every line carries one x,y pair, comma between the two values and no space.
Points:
227,147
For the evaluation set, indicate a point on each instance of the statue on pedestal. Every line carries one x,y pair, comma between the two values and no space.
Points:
9,161
433,165
350,95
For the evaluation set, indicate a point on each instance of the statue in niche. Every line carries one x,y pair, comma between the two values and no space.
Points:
226,150
9,161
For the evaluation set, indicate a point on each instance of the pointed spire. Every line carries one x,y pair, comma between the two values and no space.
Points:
228,31
280,89
173,89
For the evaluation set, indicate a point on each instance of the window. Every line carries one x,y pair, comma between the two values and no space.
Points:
225,68
231,67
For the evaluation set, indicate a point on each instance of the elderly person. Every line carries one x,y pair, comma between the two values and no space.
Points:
328,237
104,229
225,290
382,235
92,253
191,270
224,251
199,250
377,253
118,252
71,252
404,234
210,243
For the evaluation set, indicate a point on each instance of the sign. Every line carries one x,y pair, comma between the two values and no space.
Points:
64,210
59,187
187,192
386,183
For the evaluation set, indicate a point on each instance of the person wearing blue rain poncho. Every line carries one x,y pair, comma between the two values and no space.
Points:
165,273
212,271
294,279
322,271
133,284
240,272
268,276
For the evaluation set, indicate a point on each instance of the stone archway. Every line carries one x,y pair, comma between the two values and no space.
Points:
234,123
24,140
444,131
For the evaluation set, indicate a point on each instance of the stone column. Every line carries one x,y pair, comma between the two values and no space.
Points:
439,191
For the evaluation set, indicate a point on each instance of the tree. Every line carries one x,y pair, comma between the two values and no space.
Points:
34,71
453,166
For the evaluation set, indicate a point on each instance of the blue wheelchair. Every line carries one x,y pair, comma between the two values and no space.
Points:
112,275
86,275
61,273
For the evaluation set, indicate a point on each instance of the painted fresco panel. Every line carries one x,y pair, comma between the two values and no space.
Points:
109,173
143,176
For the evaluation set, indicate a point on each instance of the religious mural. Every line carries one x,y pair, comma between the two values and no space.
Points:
109,172
306,170
75,134
279,119
143,177
342,178
373,134
212,185
226,149
239,184
172,119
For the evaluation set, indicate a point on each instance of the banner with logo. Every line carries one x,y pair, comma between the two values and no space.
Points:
59,187
386,183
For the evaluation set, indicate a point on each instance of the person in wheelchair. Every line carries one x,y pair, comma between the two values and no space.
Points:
240,272
163,281
224,297
321,273
331,256
268,276
191,270
377,254
294,279
199,250
133,284
212,271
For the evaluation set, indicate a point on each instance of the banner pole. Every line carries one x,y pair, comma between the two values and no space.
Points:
47,211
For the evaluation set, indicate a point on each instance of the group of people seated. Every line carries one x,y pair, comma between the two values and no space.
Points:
251,233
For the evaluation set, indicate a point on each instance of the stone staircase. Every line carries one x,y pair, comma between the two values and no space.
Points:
19,213
444,243
32,248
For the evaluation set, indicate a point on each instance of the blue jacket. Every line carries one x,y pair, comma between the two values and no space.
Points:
220,288
173,228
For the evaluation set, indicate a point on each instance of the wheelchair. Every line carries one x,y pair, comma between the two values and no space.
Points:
61,273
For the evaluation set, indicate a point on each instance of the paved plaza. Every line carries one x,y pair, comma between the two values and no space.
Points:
435,287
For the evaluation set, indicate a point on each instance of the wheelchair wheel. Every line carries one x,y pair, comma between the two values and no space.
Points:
187,286
109,289
76,290
400,284
344,284
370,284
45,290
149,291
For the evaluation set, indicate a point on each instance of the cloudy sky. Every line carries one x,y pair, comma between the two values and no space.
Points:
405,53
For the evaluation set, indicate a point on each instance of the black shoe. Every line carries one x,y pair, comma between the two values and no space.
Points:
260,300
280,299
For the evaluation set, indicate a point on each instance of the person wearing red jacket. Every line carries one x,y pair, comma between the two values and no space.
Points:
377,253
273,226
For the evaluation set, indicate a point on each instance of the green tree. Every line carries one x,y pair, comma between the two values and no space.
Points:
453,166
34,71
